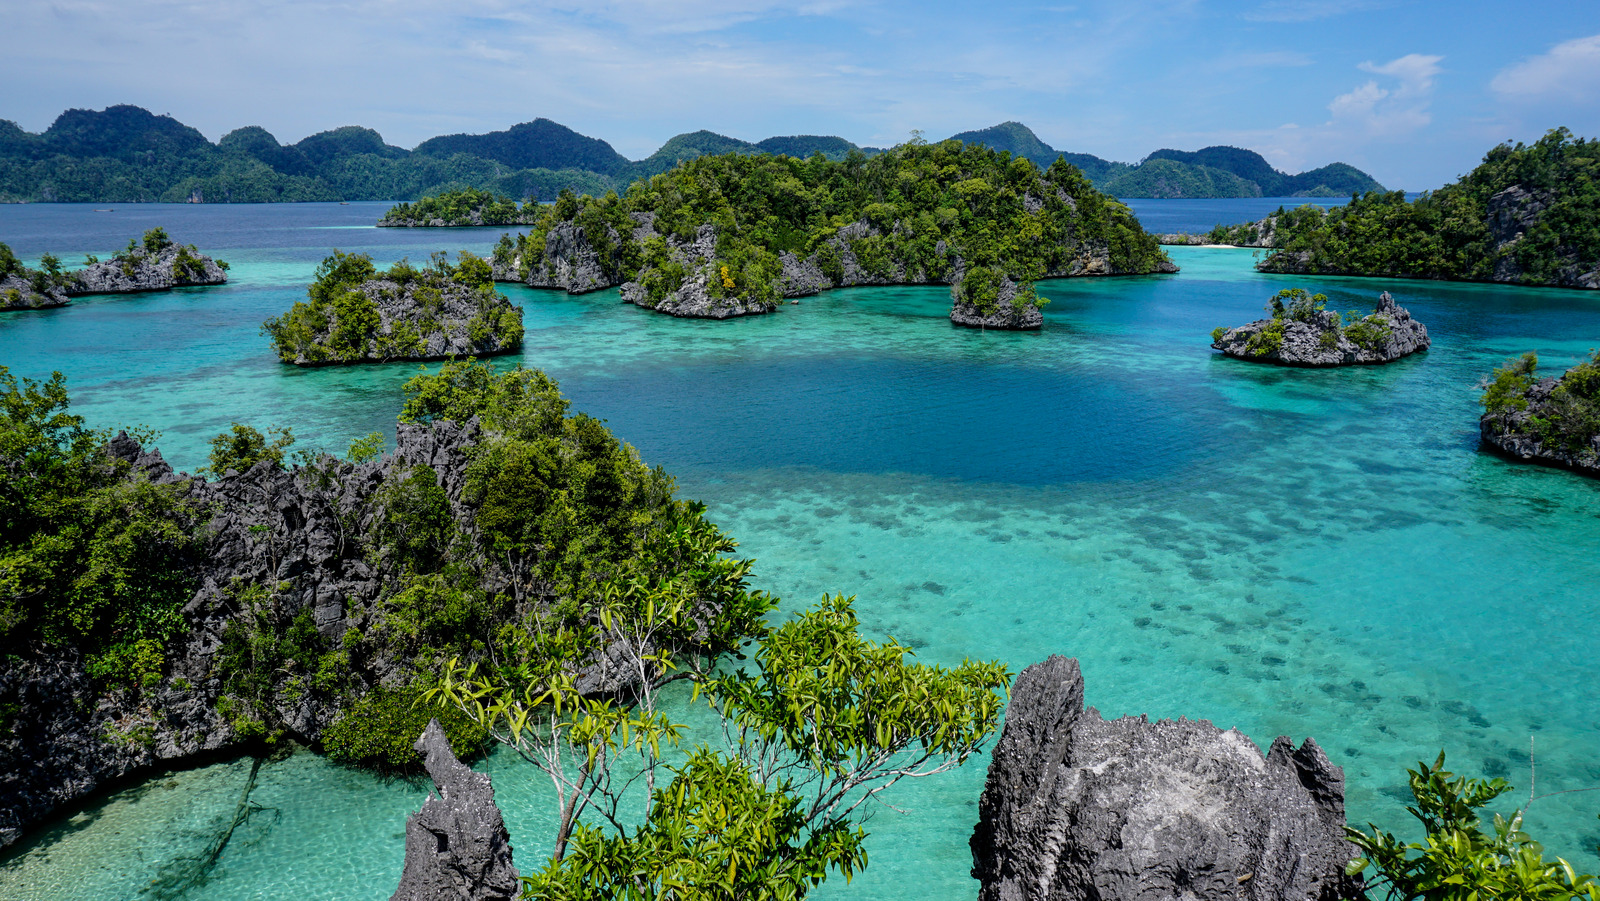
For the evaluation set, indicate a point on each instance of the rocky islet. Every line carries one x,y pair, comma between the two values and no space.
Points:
1301,332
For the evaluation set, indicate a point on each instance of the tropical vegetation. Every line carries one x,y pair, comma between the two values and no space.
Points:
461,206
1457,859
1566,417
1545,233
904,215
354,313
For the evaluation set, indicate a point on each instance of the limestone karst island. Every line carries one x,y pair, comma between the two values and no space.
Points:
655,452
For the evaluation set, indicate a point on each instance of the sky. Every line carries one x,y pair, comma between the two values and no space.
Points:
1412,91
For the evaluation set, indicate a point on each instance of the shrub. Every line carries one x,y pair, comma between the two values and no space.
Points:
1266,341
379,731
242,447
1508,387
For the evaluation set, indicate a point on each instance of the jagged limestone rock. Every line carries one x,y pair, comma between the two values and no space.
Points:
1079,808
457,847
1320,339
173,266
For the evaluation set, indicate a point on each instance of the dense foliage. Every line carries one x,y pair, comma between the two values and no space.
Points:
1568,418
92,556
462,206
1334,180
1173,179
1453,233
379,731
126,154
1458,860
922,204
340,322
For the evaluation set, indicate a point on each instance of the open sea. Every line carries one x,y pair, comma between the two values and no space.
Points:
1322,553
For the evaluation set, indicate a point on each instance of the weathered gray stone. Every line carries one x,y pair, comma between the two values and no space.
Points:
19,293
1080,809
174,266
1321,340
457,847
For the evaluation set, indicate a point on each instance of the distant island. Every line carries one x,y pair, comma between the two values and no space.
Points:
462,207
1527,215
126,154
355,314
734,235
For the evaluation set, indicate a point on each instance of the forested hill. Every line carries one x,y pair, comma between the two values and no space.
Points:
125,153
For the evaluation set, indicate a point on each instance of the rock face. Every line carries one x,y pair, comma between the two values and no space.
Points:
1511,213
1261,233
693,298
457,846
1321,340
1006,315
1076,807
20,293
1512,434
135,270
266,526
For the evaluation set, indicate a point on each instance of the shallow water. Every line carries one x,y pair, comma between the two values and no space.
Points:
1296,552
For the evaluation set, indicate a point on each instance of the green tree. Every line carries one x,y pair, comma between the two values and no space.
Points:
1457,860
243,446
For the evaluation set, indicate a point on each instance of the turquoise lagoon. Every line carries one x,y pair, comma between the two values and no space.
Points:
1285,552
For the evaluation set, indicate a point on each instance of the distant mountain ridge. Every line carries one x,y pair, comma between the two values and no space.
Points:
127,154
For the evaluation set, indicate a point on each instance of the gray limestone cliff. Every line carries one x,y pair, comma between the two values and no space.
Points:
457,846
1077,807
428,318
1320,338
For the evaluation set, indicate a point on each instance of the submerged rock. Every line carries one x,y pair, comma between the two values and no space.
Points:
1302,333
1076,807
457,846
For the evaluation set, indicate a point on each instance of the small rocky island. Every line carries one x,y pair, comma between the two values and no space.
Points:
735,235
1302,333
465,208
1553,421
356,314
982,300
152,263
1127,810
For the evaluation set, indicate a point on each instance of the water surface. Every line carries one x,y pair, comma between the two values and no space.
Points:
1324,553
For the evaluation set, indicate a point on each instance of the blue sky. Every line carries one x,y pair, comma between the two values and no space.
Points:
1413,91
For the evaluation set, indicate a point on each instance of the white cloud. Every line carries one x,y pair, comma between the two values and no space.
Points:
1569,71
1394,111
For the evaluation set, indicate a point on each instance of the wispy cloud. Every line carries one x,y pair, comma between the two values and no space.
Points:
1395,111
1307,10
1569,71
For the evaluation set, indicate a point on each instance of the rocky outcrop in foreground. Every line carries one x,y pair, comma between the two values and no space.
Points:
138,269
1550,420
1305,334
266,526
1130,810
457,846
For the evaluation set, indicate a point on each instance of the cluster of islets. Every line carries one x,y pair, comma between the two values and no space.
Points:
515,560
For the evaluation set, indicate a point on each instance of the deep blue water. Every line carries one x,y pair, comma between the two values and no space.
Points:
1297,552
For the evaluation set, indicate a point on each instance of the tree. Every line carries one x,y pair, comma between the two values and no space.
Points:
242,447
1458,861
822,725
